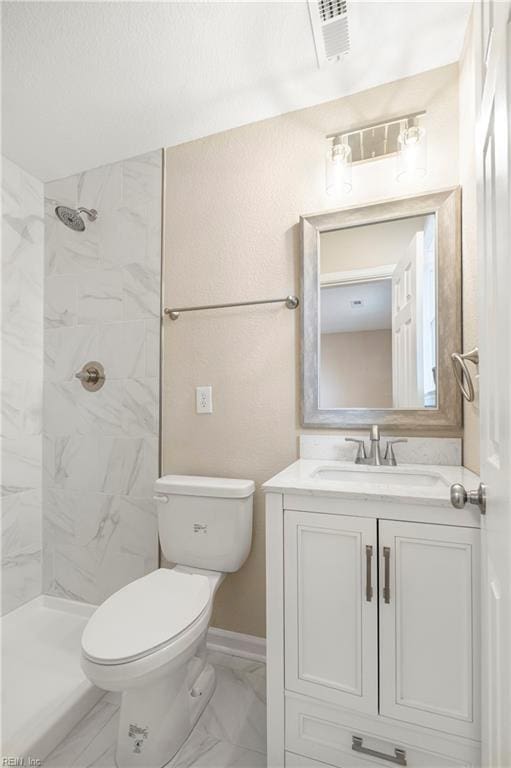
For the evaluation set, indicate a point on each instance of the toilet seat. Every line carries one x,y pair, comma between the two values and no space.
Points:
145,616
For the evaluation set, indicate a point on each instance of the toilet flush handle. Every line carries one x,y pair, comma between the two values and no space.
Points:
161,497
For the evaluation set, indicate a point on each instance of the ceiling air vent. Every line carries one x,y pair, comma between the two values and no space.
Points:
329,20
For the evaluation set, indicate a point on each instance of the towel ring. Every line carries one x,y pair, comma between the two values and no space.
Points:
460,369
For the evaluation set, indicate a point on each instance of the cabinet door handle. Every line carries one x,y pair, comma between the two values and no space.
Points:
399,756
369,578
386,585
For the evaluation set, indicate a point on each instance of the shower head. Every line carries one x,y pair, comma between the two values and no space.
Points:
72,218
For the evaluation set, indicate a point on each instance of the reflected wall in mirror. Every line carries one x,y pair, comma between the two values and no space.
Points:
381,314
378,315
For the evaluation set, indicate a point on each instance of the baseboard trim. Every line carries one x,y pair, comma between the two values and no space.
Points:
237,644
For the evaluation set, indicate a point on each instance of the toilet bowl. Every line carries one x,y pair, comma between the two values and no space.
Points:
148,640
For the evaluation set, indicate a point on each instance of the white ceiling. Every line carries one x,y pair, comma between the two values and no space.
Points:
339,316
88,83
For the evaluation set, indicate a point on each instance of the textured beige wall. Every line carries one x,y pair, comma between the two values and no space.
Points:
232,206
467,94
361,247
356,370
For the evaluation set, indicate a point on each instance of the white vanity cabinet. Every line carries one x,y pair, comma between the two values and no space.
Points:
331,599
373,632
429,625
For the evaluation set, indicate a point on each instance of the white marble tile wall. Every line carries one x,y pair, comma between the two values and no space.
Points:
102,302
22,355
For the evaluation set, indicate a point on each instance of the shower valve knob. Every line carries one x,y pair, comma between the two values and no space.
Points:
92,376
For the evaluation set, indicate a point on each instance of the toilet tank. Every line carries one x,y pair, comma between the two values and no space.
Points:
205,522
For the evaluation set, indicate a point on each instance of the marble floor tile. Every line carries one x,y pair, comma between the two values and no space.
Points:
233,719
105,760
201,749
85,743
237,710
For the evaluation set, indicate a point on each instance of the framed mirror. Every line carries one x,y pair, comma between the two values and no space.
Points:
381,315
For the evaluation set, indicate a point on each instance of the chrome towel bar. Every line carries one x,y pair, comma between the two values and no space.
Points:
291,302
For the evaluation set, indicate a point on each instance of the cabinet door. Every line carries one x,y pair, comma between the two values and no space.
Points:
331,608
429,625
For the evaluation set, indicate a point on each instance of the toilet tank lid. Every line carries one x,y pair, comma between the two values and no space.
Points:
194,485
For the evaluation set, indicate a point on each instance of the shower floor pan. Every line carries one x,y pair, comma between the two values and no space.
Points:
44,691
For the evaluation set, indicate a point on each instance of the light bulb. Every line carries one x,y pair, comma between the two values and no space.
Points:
411,156
338,168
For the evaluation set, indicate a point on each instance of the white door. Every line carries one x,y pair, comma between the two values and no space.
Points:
407,332
493,158
429,625
331,632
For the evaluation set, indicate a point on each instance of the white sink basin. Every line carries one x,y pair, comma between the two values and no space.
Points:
389,476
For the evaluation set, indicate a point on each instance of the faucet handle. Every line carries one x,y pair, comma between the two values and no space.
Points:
389,450
375,432
361,451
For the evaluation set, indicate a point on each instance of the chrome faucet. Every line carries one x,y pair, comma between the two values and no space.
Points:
374,458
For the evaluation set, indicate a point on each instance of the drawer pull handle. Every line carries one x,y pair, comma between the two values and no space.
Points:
398,758
386,585
369,579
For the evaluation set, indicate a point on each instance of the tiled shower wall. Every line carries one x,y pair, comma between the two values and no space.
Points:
22,361
100,450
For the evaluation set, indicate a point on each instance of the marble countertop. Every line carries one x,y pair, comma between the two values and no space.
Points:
301,477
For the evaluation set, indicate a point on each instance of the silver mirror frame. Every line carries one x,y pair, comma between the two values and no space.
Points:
446,418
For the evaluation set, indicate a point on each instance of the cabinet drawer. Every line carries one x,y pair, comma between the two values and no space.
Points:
318,732
299,761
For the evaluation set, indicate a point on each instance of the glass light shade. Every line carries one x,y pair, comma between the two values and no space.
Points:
411,155
338,168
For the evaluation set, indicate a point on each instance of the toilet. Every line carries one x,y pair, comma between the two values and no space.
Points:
148,640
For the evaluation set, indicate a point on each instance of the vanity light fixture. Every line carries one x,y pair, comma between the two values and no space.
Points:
338,166
402,136
411,155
